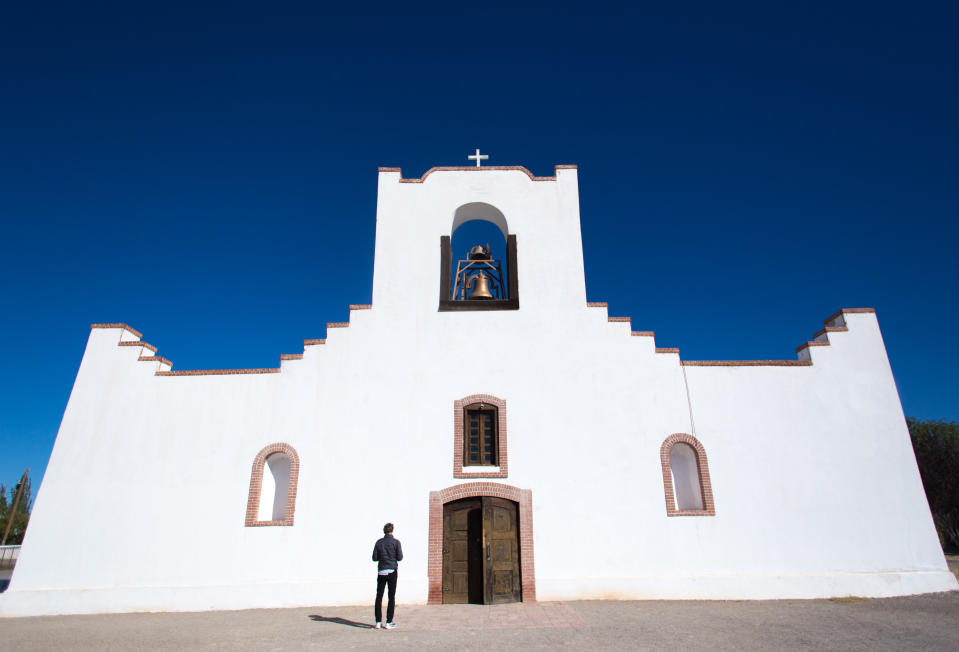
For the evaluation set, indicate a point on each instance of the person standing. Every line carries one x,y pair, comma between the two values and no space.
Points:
387,552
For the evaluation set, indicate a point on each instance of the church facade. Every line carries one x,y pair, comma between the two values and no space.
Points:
577,460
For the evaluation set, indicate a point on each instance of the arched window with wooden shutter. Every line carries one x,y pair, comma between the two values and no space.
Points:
479,437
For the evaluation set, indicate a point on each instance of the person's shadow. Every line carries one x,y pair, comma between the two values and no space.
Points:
340,621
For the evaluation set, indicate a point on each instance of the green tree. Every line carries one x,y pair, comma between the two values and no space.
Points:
22,516
936,444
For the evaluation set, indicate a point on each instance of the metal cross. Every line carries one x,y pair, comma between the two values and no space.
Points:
478,157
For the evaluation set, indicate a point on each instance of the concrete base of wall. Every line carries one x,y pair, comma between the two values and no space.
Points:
748,587
413,590
265,595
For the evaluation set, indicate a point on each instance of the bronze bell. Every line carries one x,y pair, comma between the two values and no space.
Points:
479,252
479,286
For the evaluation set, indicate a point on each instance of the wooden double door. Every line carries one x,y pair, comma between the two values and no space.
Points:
481,551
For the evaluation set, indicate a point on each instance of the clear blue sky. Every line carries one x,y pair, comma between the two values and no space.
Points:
207,172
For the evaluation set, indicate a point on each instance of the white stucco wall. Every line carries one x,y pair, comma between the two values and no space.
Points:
143,503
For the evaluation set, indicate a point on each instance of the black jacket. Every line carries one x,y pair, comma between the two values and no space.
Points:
388,551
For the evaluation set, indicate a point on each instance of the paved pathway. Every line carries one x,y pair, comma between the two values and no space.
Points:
929,622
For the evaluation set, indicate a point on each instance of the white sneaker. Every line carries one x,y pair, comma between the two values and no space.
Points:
390,625
378,626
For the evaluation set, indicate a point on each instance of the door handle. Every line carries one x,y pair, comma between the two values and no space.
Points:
487,551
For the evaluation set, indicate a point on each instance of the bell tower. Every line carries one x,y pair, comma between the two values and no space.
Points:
537,266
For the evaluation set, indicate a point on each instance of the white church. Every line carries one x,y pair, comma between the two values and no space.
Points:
578,461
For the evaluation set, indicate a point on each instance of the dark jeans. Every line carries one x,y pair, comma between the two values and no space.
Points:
381,582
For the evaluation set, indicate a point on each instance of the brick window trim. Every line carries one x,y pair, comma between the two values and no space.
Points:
256,485
702,466
459,427
524,497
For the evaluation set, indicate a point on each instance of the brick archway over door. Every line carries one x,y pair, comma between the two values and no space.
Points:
524,497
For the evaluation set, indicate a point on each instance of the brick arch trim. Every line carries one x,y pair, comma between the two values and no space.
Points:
524,497
458,435
256,485
702,465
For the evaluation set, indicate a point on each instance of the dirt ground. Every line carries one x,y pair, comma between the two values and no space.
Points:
927,622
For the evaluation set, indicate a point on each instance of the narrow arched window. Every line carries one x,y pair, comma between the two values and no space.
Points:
686,477
273,483
274,490
685,472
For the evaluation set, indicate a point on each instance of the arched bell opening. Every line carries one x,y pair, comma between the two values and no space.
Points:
478,269
482,212
479,266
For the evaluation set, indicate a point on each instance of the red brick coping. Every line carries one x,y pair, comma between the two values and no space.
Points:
851,311
746,363
128,329
138,343
458,436
821,337
470,490
835,323
155,358
703,467
256,485
473,168
216,372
